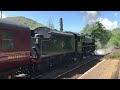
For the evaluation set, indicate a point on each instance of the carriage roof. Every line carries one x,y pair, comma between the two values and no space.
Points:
12,24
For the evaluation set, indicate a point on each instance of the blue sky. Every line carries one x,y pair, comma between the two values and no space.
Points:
73,21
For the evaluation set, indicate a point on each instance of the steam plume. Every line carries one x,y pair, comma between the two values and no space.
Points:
90,16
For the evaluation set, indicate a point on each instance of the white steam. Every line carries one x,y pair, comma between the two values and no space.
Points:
90,16
21,75
104,51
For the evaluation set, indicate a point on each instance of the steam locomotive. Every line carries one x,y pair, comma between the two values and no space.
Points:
25,50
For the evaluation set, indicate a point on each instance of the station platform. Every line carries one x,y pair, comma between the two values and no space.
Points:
106,69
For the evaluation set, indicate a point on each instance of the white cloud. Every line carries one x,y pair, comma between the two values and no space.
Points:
3,15
108,24
90,16
115,14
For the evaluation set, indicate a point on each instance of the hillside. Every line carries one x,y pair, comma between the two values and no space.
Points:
31,23
116,31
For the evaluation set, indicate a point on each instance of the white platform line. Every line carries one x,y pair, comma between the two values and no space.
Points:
91,69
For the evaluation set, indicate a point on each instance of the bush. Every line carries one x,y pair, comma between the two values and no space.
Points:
116,56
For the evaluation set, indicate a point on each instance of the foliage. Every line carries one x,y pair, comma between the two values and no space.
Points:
115,40
99,33
31,23
117,56
116,31
86,29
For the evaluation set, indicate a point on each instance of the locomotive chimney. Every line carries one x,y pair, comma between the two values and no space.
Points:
61,24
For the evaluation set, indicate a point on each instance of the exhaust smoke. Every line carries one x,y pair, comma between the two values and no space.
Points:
90,16
104,51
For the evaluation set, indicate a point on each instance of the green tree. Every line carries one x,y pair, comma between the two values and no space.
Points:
85,30
99,33
116,31
114,41
50,24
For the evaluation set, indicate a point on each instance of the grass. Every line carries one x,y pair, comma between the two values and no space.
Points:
116,56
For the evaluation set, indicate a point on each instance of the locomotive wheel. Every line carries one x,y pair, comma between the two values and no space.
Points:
9,76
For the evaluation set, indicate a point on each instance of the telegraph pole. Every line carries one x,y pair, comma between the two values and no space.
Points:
61,24
1,14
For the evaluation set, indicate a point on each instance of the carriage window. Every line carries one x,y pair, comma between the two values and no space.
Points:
7,41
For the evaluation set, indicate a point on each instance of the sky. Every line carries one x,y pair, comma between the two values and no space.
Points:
73,21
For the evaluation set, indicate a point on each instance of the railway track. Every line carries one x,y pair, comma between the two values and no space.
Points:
78,69
70,71
75,72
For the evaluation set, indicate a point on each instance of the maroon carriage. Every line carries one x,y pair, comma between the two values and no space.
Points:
14,46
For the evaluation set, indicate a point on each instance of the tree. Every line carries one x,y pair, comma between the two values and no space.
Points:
99,33
50,24
85,29
114,41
